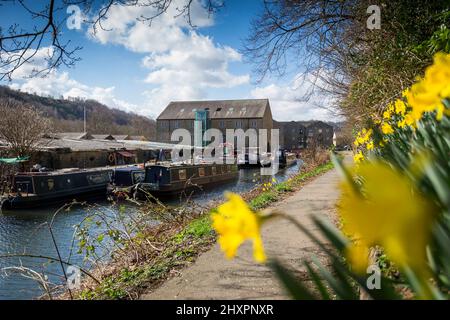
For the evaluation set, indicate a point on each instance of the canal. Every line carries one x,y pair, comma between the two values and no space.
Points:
27,232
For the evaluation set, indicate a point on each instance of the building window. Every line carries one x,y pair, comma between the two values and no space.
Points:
221,124
254,124
176,124
238,124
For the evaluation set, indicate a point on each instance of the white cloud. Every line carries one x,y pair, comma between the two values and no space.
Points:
60,84
182,63
298,100
36,61
187,73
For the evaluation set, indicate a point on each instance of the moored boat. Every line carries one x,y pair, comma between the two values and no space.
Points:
172,179
36,189
287,159
125,180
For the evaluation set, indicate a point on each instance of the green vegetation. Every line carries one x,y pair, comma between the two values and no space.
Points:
277,191
67,115
180,247
179,250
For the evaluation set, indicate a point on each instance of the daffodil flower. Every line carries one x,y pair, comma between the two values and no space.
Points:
386,128
357,158
427,94
236,223
388,211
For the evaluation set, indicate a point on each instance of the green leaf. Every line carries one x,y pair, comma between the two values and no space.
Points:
318,282
336,281
293,286
331,233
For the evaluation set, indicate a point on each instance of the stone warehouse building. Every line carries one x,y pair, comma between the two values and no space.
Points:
295,135
221,114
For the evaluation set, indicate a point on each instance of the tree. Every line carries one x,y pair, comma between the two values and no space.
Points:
18,46
21,127
362,68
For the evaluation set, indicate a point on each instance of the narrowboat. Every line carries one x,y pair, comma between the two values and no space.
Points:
36,189
252,158
287,159
124,181
172,179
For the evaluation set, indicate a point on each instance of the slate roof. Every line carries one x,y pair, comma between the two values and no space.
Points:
71,135
219,109
103,136
121,137
94,145
137,138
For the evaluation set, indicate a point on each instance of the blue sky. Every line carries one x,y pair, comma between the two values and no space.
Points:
139,68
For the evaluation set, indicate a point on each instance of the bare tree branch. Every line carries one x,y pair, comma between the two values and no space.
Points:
19,46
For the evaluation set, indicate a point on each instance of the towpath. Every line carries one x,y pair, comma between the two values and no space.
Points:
214,277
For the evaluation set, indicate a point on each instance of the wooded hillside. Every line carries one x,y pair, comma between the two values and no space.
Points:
67,115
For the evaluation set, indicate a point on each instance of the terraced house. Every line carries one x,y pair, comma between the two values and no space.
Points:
295,135
220,114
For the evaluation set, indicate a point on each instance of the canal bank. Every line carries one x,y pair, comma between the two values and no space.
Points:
26,232
182,244
212,276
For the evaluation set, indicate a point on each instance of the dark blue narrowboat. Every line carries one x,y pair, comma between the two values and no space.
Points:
36,189
173,179
125,180
128,176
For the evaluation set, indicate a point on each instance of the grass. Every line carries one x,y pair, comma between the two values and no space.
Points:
182,247
180,250
276,192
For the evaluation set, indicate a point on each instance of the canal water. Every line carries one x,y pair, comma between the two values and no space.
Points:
27,232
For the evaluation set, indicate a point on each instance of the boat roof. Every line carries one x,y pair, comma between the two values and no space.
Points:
128,169
61,172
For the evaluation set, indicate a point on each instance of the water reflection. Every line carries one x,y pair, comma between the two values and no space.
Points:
27,232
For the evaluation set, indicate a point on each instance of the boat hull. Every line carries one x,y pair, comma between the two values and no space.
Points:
174,185
37,201
32,190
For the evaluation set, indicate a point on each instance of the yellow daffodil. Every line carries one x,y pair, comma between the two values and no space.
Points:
405,93
409,120
357,255
363,136
400,107
386,128
387,115
370,145
401,123
427,94
359,157
388,211
235,223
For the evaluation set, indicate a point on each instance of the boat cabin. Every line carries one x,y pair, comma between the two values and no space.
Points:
128,176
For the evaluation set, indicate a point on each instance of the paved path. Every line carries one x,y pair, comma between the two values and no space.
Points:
214,277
